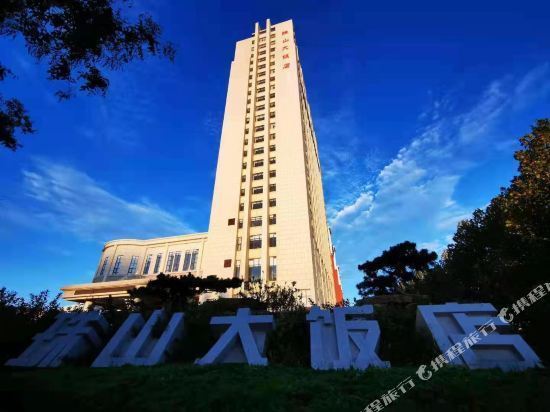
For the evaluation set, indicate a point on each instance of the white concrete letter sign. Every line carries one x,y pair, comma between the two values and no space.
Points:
243,341
458,332
339,343
128,347
72,336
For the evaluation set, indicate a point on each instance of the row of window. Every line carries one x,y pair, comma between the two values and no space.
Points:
172,263
260,176
258,190
254,221
258,204
255,241
260,163
261,150
255,269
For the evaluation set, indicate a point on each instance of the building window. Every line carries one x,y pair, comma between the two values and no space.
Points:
260,82
133,265
240,223
272,104
194,257
272,268
147,264
272,148
272,173
245,153
257,190
272,239
244,165
104,266
241,207
258,163
273,202
256,221
169,262
237,273
186,260
157,263
255,269
242,192
261,74
259,128
271,114
259,139
272,219
272,187
227,263
255,242
260,108
258,176
257,205
272,161
260,90
260,117
243,178
230,222
245,142
271,136
116,267
259,150
176,265
239,243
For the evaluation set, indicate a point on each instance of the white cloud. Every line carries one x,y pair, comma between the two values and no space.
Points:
413,196
63,198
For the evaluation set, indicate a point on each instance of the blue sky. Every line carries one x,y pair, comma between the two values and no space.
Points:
417,112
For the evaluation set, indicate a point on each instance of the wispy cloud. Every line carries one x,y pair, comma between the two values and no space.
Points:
413,197
62,198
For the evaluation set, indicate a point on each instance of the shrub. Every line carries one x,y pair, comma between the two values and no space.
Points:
22,319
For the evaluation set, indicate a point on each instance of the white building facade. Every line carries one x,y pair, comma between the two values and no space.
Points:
268,219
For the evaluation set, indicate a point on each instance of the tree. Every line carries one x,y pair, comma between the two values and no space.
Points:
174,293
503,251
22,319
394,268
80,40
526,202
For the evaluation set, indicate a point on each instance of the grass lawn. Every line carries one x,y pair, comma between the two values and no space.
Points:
243,388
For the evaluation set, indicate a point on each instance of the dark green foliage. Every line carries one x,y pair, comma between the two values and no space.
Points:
394,268
13,116
503,251
277,298
79,40
243,388
288,344
400,343
175,293
21,319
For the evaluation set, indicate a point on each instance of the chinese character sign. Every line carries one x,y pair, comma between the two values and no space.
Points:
471,335
340,343
72,336
127,347
242,342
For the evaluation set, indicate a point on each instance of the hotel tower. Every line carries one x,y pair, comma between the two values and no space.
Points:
268,219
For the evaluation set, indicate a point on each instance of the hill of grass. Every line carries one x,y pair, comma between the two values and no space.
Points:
275,388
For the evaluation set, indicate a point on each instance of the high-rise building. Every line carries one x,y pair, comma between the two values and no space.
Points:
268,219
